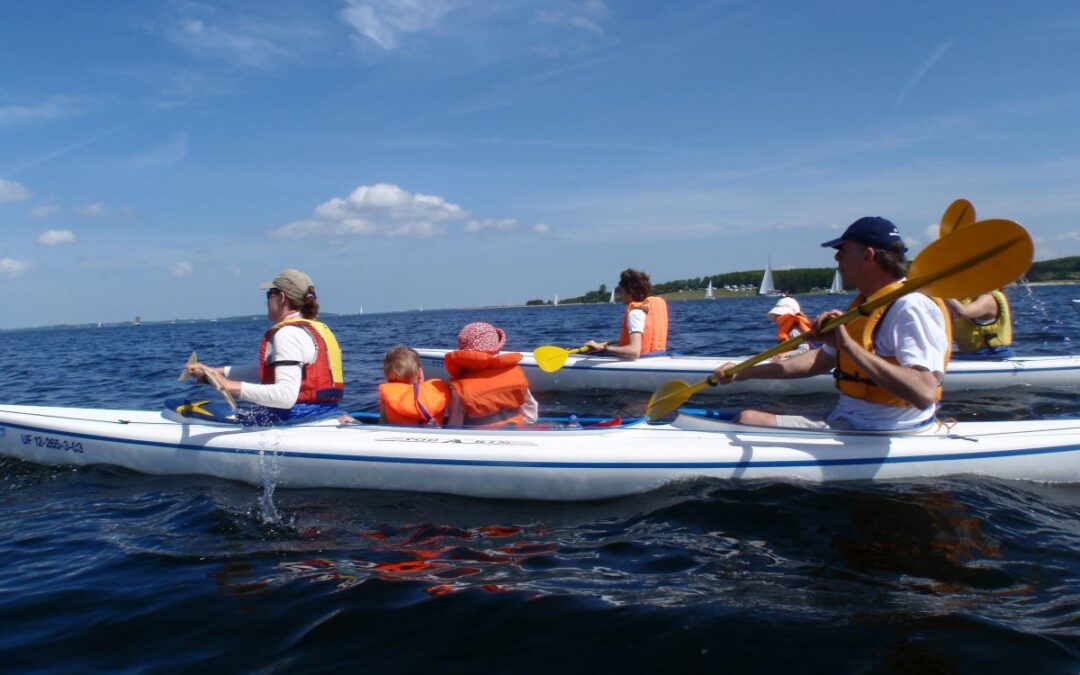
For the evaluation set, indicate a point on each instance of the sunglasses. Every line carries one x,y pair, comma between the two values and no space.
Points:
272,292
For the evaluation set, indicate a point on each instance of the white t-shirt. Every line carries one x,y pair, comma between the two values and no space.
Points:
912,332
635,321
290,343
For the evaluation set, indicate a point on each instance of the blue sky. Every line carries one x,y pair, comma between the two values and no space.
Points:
164,158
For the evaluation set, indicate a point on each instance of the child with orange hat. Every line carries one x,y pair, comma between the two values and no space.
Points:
489,388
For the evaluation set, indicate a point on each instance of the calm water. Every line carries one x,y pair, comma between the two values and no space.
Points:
109,571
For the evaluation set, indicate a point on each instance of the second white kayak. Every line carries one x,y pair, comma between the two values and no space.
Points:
583,372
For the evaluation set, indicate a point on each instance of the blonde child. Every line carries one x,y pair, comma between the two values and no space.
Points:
406,397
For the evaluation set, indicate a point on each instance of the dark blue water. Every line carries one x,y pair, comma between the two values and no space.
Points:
109,571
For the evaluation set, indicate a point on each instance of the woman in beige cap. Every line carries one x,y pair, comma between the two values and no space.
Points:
298,375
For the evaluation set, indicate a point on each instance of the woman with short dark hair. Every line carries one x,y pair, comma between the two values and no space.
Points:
645,320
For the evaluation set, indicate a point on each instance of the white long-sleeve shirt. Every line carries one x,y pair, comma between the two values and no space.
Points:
289,344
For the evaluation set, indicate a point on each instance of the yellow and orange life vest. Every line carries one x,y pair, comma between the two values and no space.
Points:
654,337
971,336
322,381
417,403
852,380
492,388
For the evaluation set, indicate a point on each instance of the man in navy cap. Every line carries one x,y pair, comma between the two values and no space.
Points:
888,365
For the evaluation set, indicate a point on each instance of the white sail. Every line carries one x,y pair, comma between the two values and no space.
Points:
767,287
612,298
556,303
837,287
709,291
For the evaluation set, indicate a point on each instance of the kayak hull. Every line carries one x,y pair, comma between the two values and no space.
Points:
565,465
584,372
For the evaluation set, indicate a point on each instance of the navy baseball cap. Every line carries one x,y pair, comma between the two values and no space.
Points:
873,231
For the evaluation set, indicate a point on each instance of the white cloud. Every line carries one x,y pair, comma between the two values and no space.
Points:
375,209
56,107
10,191
497,225
93,210
43,212
385,21
181,269
56,237
11,268
542,229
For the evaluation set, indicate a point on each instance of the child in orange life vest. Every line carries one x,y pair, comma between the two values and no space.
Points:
406,397
790,322
489,388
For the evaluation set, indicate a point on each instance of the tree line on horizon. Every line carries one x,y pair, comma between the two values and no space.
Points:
805,280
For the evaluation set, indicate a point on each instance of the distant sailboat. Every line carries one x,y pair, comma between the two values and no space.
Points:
767,287
556,303
837,287
612,298
709,292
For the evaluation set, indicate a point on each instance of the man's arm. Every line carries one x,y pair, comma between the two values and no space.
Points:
806,364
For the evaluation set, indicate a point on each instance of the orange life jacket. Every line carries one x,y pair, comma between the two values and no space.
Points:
492,388
417,403
852,380
654,337
321,381
786,322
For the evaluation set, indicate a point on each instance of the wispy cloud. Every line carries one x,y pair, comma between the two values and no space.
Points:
11,268
93,210
181,269
384,22
44,212
56,237
55,107
581,15
10,191
491,224
929,63
505,226
375,209
239,39
546,27
167,154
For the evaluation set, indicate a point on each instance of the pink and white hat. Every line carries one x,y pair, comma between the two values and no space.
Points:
481,337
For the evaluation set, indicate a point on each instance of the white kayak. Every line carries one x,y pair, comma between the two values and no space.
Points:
605,372
586,464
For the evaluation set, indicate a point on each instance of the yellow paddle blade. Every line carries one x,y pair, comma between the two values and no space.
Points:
959,214
667,398
973,260
670,395
184,374
550,358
